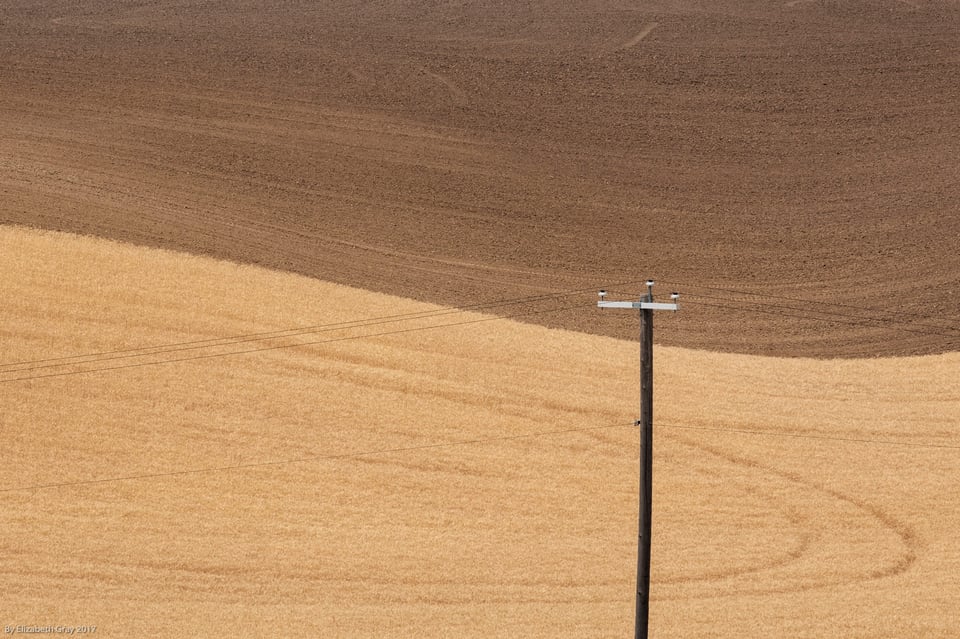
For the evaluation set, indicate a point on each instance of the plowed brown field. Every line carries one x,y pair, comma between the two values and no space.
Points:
412,465
461,152
478,480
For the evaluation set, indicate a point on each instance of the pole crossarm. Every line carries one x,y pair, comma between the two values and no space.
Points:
653,306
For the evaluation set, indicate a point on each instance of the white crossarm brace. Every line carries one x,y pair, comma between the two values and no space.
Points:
655,306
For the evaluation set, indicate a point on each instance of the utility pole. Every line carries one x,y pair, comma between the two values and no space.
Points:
646,306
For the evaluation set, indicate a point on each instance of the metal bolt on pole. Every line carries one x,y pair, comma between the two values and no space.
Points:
646,306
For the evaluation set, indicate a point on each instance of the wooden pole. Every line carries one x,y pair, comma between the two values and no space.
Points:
647,306
646,471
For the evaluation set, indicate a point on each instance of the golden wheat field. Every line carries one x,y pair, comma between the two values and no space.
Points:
398,469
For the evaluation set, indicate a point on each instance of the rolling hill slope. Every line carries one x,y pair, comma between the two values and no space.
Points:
477,480
450,151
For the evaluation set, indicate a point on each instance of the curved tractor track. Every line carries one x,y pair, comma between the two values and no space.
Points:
178,447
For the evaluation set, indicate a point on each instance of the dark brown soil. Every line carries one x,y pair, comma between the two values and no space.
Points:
466,152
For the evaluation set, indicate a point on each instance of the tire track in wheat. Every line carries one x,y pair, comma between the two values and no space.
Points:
881,519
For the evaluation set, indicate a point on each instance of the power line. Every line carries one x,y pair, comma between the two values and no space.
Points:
801,300
283,346
844,315
833,320
805,314
816,315
276,334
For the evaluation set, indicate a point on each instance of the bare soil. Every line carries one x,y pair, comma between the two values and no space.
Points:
462,152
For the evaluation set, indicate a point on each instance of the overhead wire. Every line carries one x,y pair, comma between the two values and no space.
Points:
872,314
847,319
52,362
799,314
151,351
897,313
814,314
159,349
284,346
938,330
